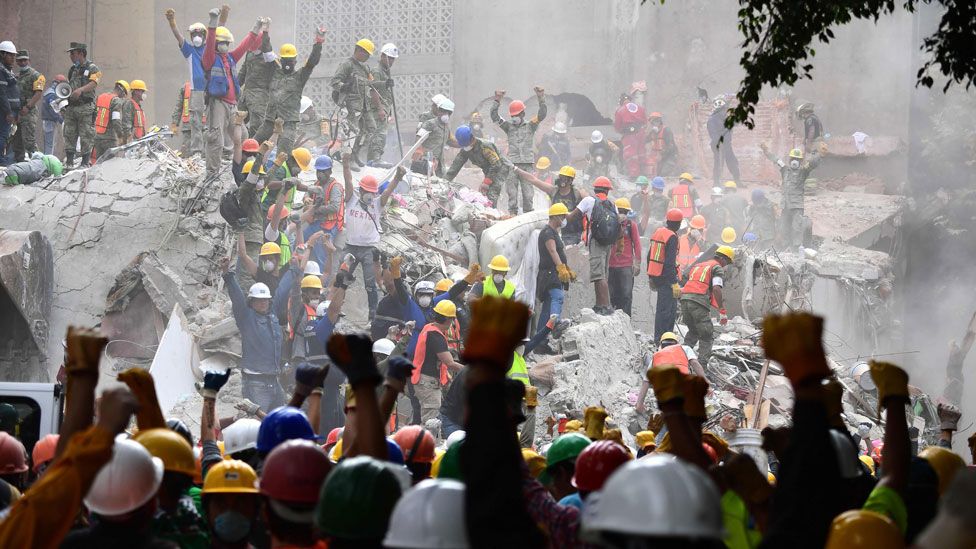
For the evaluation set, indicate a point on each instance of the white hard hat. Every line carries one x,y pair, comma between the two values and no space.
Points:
312,268
259,290
424,286
8,47
655,496
559,127
241,435
322,308
390,50
447,105
383,346
717,191
437,99
596,136
431,514
127,482
456,436
304,104
847,460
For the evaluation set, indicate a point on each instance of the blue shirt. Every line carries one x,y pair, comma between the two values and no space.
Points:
194,57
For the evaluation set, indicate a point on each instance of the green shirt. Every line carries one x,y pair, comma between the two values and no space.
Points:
888,502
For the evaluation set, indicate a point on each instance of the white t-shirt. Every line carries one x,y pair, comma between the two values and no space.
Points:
362,229
586,205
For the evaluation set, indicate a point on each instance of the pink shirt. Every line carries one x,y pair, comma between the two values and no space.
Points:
627,246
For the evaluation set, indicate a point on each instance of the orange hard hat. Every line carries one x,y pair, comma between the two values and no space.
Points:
368,183
285,212
44,450
415,451
603,182
250,145
654,115
515,108
697,222
674,214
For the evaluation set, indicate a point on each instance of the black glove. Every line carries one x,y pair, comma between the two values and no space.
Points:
335,96
353,354
343,278
399,368
311,375
213,382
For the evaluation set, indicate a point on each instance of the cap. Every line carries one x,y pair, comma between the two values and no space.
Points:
77,46
23,54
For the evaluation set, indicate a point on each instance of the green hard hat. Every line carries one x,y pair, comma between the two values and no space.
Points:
565,448
451,463
641,181
357,499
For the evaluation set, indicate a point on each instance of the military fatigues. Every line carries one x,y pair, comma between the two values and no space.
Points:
78,114
376,140
792,201
119,128
761,221
652,205
255,78
25,140
182,105
286,98
521,152
436,141
496,167
351,86
717,217
696,311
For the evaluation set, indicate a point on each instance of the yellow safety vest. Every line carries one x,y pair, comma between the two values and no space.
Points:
518,371
489,289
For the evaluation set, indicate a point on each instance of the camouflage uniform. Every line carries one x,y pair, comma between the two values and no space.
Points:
794,180
25,140
119,128
436,141
79,113
521,152
496,167
177,120
376,140
696,311
717,217
351,86
654,206
286,97
761,221
255,79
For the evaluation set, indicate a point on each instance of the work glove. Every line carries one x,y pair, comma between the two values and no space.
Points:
723,317
84,351
343,277
258,25
795,341
863,430
224,12
562,270
279,126
891,381
695,389
214,14
310,377
280,159
264,148
353,354
551,323
398,370
531,396
948,416
668,383
474,274
499,94
174,128
616,435
213,382
239,117
833,394
170,14
497,328
539,90
320,35
248,407
655,421
594,421
141,384
676,290
395,264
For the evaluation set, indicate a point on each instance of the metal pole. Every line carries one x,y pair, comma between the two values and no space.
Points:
396,122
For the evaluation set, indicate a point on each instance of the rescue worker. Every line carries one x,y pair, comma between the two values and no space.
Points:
662,270
630,121
180,120
476,123
352,90
113,121
702,292
436,135
219,63
284,173
554,275
9,100
691,242
495,284
138,91
735,205
625,258
561,192
813,132
684,196
497,169
650,204
327,214
668,353
795,171
249,150
601,218
432,360
51,117
521,136
255,77
287,84
231,503
561,464
31,84
599,155
376,139
761,218
291,481
195,94
717,215
267,269
721,142
555,145
662,158
83,76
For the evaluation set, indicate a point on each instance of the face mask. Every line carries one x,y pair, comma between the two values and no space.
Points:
498,278
563,224
231,526
517,120
655,129
223,47
476,127
197,41
444,118
77,63
469,148
25,68
314,303
367,197
794,164
268,265
424,300
695,234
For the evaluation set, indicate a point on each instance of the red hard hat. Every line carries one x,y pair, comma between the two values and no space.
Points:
13,456
294,472
44,450
603,182
333,437
250,146
285,212
368,183
674,214
597,462
414,451
516,107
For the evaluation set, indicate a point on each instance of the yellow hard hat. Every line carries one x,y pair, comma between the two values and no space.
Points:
645,439
246,168
312,281
668,335
687,176
124,84
367,45
270,248
446,307
868,462
138,85
860,528
945,462
573,426
171,448
288,51
796,153
731,185
435,466
622,203
499,263
534,461
728,235
727,251
303,156
443,285
231,476
771,478
222,34
568,171
543,163
558,209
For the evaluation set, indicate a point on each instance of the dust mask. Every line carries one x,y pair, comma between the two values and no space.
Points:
498,278
314,302
563,224
468,148
231,526
794,164
424,300
268,265
222,47
197,41
444,118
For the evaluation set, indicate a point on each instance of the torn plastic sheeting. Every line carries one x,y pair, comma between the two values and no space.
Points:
175,361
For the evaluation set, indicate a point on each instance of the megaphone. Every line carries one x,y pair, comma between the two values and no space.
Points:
62,90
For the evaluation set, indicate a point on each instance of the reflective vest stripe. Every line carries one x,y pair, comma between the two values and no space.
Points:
518,371
489,289
687,254
187,89
672,355
657,141
138,120
681,199
420,352
700,278
285,246
655,257
309,317
103,114
337,219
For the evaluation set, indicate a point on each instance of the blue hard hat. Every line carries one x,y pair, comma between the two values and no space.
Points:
393,452
749,237
658,183
323,162
284,423
758,195
463,135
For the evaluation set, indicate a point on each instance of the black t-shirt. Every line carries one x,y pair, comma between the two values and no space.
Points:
453,404
436,343
547,278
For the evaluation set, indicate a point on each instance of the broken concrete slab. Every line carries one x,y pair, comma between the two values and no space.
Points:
26,295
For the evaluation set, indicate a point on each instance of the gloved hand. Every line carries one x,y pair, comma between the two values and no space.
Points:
311,376
280,159
320,35
395,264
247,407
399,368
258,25
265,147
84,351
213,382
948,416
891,381
863,430
539,91
551,323
174,128
224,12
676,290
239,117
353,354
279,126
214,14
617,436
668,383
499,94
497,328
695,389
141,384
717,443
474,274
343,277
265,23
531,396
594,420
795,341
723,317
562,270
170,15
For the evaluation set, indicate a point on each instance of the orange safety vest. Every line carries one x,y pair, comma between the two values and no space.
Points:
187,89
687,254
309,317
421,351
657,141
338,219
655,257
681,199
138,120
700,279
454,336
103,112
672,355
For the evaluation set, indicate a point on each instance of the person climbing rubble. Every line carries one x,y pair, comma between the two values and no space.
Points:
625,259
717,214
561,192
603,229
795,171
699,295
555,145
669,353
521,135
436,135
497,169
662,272
599,156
